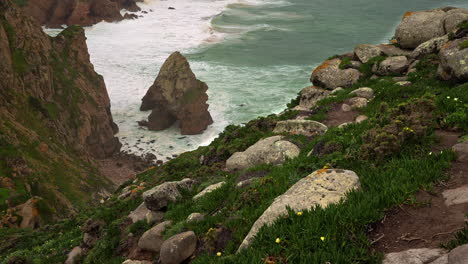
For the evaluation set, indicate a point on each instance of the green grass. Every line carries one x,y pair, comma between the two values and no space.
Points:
463,45
345,63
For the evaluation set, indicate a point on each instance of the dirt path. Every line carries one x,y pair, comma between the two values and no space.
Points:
429,221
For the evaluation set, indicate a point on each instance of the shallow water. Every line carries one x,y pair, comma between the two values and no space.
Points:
254,55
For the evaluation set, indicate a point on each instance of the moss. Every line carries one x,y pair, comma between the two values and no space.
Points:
20,65
345,63
366,68
463,25
463,44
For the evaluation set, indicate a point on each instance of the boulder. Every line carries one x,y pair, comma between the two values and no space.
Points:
459,255
329,75
321,188
272,150
307,128
310,96
365,52
154,217
152,239
74,255
391,65
454,61
456,196
418,27
177,95
462,150
364,92
454,17
178,248
414,256
392,50
139,213
208,190
355,103
129,261
429,47
160,196
195,217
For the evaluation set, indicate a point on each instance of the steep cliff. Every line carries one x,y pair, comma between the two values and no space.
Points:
54,116
54,13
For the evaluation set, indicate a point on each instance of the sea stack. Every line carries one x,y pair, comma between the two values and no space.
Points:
177,95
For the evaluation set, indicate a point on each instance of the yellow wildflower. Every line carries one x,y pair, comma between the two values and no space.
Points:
299,213
278,241
322,238
219,254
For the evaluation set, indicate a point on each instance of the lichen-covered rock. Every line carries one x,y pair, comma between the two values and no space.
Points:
321,188
208,190
364,92
177,95
329,75
391,65
418,27
152,239
178,248
429,47
300,127
454,61
162,195
272,150
365,52
412,256
310,96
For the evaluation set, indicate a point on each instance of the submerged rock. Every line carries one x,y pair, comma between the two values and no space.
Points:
272,150
177,95
321,188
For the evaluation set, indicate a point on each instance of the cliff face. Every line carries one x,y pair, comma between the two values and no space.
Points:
54,114
177,95
54,13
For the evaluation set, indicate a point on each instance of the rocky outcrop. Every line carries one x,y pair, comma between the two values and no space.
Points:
329,75
55,13
177,95
160,196
321,188
178,248
52,101
421,26
454,60
272,150
308,128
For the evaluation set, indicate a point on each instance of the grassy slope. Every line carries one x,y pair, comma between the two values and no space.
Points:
387,181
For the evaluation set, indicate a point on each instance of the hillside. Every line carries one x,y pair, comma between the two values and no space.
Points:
382,132
55,121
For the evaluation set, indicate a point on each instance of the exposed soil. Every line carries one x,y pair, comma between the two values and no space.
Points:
336,116
428,222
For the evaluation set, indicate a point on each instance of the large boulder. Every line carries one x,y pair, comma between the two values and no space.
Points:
429,47
454,61
391,65
152,239
177,95
321,188
178,248
162,195
329,75
365,52
414,256
300,127
208,190
418,27
310,96
272,150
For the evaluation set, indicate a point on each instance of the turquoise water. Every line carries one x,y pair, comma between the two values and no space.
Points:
255,55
